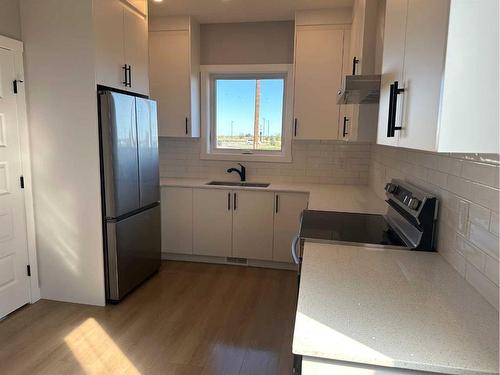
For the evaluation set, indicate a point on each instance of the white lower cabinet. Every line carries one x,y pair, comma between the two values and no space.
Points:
177,220
250,224
287,207
212,222
253,224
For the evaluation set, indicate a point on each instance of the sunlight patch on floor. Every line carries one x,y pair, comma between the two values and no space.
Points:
96,352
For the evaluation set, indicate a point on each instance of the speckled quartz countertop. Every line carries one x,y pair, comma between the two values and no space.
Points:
392,308
348,198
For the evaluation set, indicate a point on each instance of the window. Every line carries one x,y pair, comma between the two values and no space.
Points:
247,112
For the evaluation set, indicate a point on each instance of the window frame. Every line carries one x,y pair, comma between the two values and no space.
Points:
209,73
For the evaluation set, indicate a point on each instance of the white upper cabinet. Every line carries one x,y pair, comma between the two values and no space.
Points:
319,50
441,60
392,67
174,75
121,36
136,51
469,108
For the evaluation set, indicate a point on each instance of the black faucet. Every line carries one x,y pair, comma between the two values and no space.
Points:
242,172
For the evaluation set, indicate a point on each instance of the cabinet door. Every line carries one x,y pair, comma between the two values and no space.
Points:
288,208
212,222
318,77
170,80
392,65
136,50
347,121
423,72
253,224
177,220
110,60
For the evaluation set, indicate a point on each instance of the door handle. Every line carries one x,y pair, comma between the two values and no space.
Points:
295,256
229,201
393,105
277,203
234,201
295,127
344,131
187,132
355,62
125,69
130,76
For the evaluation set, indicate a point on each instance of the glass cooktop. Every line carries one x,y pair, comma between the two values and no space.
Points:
348,227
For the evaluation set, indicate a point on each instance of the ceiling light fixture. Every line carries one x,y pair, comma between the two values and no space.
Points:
158,1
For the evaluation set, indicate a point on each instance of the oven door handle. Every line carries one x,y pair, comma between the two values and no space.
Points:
295,255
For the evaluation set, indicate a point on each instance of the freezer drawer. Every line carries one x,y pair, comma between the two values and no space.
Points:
133,250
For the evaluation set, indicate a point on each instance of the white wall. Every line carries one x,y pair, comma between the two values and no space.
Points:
467,188
10,21
61,94
247,43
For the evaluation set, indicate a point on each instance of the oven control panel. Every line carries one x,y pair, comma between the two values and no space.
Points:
403,195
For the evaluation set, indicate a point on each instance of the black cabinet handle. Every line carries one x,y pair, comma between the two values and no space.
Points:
234,202
229,201
130,76
295,127
277,204
355,62
125,70
187,126
393,105
344,131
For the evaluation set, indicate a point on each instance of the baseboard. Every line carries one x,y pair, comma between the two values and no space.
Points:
224,260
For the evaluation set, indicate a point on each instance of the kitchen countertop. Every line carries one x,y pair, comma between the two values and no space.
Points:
347,198
392,308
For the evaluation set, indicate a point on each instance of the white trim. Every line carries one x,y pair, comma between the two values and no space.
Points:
11,44
17,48
206,71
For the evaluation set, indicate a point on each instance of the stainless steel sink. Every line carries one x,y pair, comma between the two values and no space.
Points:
245,184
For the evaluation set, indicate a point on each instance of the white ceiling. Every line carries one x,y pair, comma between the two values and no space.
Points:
219,11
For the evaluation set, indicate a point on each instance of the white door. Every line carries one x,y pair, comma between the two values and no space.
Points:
288,208
425,49
212,222
253,224
14,282
110,61
177,220
392,65
170,80
135,29
318,77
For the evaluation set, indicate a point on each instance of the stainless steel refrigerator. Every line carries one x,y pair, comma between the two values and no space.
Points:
130,190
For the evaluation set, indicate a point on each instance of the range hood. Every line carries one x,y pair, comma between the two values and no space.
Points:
360,89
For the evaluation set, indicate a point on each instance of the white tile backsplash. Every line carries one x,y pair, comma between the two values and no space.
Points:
330,162
467,187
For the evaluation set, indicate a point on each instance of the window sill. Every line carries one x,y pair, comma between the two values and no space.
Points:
282,158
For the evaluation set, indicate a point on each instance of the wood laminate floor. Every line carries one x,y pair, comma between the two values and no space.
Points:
190,318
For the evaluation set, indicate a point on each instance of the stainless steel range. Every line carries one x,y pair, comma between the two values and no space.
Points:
409,223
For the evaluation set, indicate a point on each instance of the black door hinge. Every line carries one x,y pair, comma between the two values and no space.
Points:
21,182
28,270
14,84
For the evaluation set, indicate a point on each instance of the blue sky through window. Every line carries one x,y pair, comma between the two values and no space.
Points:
235,106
